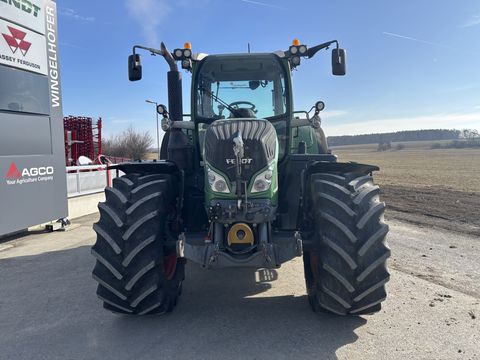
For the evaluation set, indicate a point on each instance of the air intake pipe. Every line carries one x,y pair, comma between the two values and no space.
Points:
174,81
178,149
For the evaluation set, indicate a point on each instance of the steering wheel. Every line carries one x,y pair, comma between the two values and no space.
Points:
236,104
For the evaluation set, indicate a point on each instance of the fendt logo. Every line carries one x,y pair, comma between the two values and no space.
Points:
15,40
28,175
25,5
243,161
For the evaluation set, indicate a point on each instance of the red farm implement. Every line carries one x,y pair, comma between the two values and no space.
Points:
83,137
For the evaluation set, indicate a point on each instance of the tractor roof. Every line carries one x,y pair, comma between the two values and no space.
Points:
201,56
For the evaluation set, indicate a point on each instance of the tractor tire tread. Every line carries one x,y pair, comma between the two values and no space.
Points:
346,273
130,249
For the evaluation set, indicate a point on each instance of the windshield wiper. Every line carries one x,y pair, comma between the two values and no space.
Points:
217,99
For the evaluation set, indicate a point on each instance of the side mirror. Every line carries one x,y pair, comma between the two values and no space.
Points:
339,66
134,67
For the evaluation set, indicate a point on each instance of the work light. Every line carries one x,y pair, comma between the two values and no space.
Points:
186,64
187,53
178,53
295,60
162,109
293,49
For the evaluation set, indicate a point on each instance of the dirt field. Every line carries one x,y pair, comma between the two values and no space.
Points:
432,187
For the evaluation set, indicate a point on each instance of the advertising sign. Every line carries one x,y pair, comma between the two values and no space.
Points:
22,48
29,13
33,188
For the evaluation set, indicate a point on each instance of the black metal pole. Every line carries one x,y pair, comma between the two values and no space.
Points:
158,134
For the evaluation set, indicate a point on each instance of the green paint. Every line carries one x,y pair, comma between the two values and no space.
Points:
271,193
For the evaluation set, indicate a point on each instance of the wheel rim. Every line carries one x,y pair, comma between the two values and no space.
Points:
170,265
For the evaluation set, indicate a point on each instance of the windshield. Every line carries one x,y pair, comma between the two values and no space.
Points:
240,87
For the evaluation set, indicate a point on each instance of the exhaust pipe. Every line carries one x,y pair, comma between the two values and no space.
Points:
174,81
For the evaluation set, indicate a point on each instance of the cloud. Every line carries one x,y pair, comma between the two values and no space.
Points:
333,113
466,87
264,4
149,14
66,44
473,21
193,3
115,120
413,39
74,15
434,121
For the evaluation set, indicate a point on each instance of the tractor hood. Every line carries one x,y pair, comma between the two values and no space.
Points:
255,138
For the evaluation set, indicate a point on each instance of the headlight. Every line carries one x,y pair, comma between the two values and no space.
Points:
302,49
217,182
263,181
260,185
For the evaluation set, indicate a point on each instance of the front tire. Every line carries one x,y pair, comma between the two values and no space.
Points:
137,269
346,271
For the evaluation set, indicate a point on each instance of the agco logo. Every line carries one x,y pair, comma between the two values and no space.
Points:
13,172
16,40
28,175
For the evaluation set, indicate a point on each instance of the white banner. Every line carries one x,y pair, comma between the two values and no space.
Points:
22,48
28,13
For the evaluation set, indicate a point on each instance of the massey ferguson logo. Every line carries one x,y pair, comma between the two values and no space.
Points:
15,40
28,175
244,161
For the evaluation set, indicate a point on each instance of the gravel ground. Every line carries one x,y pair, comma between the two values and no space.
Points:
48,307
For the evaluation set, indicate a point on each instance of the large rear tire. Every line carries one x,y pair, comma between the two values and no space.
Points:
137,269
346,270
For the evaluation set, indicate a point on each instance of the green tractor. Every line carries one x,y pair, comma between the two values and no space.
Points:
244,180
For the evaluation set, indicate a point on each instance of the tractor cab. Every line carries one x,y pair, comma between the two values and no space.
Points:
240,86
250,87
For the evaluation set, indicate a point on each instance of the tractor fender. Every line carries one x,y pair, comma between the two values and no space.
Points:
166,167
147,167
337,167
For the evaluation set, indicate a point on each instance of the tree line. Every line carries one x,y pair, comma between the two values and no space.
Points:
410,135
129,144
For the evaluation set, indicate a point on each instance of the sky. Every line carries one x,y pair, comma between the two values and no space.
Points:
412,64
